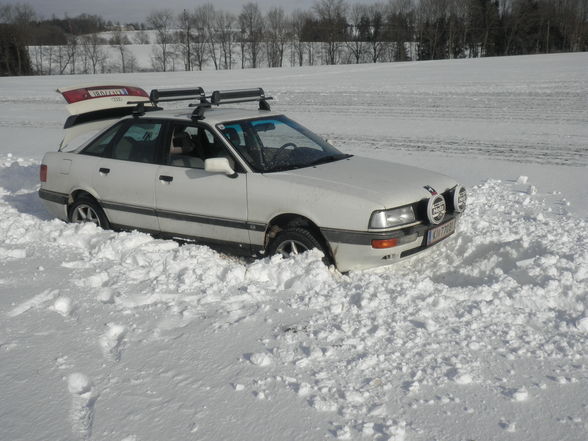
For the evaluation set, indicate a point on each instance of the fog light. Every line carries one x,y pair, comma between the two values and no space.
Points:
384,243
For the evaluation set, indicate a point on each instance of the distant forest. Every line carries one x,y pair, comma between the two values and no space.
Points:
331,32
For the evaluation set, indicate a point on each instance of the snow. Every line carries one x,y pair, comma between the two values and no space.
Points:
123,336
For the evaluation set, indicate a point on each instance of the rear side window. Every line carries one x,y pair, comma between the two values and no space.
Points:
99,146
138,143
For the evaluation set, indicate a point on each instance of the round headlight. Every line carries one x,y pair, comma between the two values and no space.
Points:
436,209
460,198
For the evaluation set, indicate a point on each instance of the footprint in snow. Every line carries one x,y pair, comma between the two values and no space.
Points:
111,341
83,399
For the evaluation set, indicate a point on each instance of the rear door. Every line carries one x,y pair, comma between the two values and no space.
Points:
125,174
210,207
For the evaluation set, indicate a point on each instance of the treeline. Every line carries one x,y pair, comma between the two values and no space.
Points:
355,33
331,32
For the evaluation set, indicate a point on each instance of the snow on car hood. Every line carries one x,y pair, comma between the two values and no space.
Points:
387,183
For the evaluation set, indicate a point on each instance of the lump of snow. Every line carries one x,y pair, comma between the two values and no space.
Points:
522,179
378,410
474,346
63,305
520,394
343,433
304,389
260,359
106,295
78,384
462,378
582,324
323,405
508,426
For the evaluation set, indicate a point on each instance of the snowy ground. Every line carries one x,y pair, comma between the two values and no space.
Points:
118,336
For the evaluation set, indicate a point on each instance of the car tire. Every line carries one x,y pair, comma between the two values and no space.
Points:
293,241
85,209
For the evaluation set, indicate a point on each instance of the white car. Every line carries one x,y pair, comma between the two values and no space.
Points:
249,181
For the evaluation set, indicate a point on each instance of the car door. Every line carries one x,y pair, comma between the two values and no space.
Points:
125,176
190,202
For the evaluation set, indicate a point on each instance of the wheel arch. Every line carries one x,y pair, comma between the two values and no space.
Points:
293,220
79,193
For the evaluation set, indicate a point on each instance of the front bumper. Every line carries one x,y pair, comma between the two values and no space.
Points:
352,250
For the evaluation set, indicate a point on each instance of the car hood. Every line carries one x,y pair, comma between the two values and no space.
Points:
384,183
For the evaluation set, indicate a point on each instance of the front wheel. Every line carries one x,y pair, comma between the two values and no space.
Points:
293,241
87,210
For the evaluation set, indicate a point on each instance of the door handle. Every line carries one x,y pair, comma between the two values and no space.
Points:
104,171
165,178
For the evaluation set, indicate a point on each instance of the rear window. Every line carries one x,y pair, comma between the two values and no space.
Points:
138,143
99,146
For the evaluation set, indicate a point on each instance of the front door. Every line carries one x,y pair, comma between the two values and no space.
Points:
192,203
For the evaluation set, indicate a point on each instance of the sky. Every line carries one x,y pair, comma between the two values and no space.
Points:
137,10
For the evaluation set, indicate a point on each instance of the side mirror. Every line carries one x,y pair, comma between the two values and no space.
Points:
219,165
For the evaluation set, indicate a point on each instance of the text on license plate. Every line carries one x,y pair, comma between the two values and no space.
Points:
97,93
440,232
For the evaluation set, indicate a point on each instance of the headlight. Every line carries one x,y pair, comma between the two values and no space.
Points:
392,218
460,198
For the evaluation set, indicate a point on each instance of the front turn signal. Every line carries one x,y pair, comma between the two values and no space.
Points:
384,243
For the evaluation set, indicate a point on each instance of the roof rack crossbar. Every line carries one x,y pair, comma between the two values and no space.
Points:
241,96
166,95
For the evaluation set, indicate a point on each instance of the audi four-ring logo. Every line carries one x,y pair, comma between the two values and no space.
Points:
436,209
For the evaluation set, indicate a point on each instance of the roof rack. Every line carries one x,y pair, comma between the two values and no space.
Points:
217,98
165,95
241,96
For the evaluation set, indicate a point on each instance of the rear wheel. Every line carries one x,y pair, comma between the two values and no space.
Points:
88,210
293,241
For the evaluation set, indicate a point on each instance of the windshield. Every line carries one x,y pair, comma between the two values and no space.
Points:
278,143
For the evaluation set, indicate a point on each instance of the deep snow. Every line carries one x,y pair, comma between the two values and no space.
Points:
119,336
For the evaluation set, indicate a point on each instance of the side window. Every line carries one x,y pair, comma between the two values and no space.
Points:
192,145
138,143
242,141
99,145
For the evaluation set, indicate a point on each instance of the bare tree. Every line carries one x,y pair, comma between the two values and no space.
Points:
71,52
185,37
205,19
296,25
251,23
162,22
141,37
18,14
276,36
359,31
120,41
376,31
331,15
92,46
225,22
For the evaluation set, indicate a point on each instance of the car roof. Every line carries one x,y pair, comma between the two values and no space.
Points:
212,116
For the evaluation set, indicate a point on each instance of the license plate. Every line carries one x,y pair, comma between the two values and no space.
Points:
97,93
441,232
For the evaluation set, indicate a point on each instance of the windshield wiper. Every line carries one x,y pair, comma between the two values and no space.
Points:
322,160
283,167
328,158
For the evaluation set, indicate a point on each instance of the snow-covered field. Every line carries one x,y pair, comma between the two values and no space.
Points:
118,336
